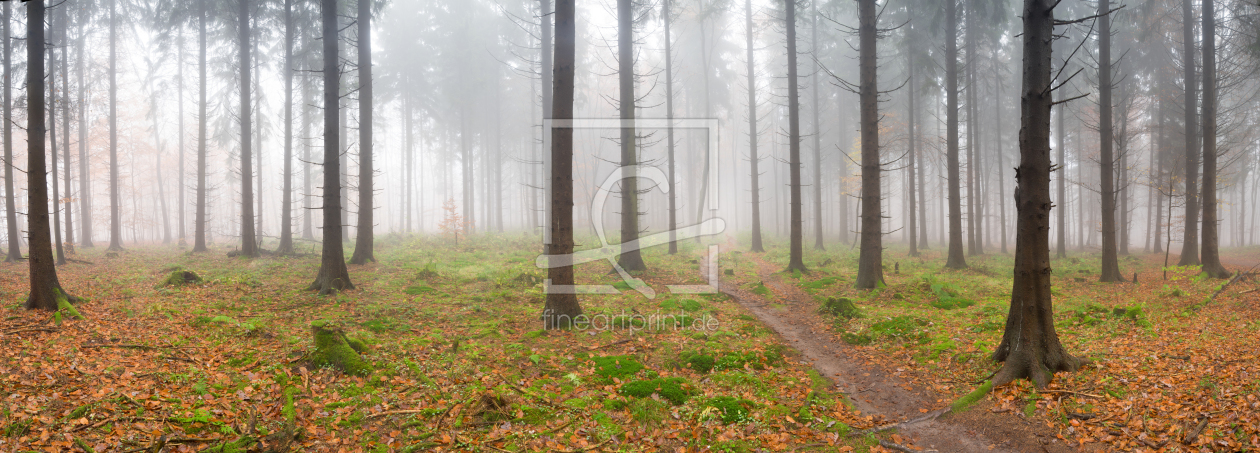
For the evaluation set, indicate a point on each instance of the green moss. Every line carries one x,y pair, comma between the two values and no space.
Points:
64,307
181,278
760,289
971,398
730,409
859,339
418,290
900,327
676,390
240,445
701,363
616,366
333,350
842,307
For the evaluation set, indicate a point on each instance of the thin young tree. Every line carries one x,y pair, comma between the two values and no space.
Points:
333,275
1106,156
562,306
15,249
796,259
912,135
1211,240
1030,347
46,292
199,227
870,254
753,160
956,259
115,208
630,260
364,240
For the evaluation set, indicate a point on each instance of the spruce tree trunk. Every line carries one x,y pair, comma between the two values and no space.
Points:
179,93
796,261
115,212
669,142
1211,240
308,99
199,227
364,239
1030,346
285,247
997,120
333,275
64,30
753,160
52,138
814,87
912,136
630,260
1190,230
15,241
972,129
562,306
1061,178
870,255
249,243
46,292
955,259
1106,158
85,187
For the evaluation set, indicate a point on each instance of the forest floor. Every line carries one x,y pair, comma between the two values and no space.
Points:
460,363
1173,369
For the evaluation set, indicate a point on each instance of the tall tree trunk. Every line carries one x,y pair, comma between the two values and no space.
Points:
630,260
1001,166
15,241
921,169
562,306
179,93
913,136
46,292
52,137
753,160
1061,177
796,261
308,99
64,30
814,87
870,255
1157,170
364,239
333,275
285,247
972,126
955,259
249,243
1106,158
1030,346
1190,231
115,213
669,141
199,235
1211,241
85,187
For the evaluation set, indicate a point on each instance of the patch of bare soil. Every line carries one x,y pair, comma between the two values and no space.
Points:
876,391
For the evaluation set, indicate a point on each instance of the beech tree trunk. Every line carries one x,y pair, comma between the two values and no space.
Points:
333,275
1030,346
115,208
364,239
870,255
562,307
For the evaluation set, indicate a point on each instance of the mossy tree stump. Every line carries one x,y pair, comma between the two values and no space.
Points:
334,349
181,278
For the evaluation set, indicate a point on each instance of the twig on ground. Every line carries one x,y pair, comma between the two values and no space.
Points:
30,329
1194,433
901,448
1069,392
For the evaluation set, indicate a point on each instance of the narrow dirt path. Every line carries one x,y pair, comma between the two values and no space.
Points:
792,314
